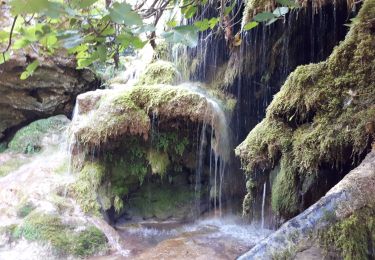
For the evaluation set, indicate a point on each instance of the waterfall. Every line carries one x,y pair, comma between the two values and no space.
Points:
219,150
263,202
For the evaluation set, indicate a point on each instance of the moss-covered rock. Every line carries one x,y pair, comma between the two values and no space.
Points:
85,188
162,202
159,72
129,112
353,237
29,139
62,237
323,115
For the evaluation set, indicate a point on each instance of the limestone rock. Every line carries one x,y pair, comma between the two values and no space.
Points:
51,90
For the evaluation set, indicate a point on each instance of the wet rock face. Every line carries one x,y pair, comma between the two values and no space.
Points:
50,91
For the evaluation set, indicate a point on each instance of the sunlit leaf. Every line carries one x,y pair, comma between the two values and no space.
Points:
29,71
250,25
171,23
122,13
83,3
28,6
202,25
213,21
4,57
190,11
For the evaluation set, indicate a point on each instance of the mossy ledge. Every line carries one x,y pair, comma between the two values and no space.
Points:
129,112
322,118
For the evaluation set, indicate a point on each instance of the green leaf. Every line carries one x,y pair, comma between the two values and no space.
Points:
263,17
24,75
122,13
185,34
21,43
83,3
288,3
172,23
4,36
49,40
229,9
29,70
102,53
281,11
28,6
4,57
250,25
190,11
54,10
202,25
213,21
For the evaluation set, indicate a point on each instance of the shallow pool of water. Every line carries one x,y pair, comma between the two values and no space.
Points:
210,238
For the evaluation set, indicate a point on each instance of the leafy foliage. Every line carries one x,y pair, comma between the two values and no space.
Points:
98,33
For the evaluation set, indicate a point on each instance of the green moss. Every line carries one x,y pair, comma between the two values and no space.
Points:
264,145
86,187
159,72
163,202
161,52
29,138
50,229
320,115
353,237
285,197
127,112
25,209
159,161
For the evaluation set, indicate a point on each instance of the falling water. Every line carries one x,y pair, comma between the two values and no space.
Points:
219,150
263,202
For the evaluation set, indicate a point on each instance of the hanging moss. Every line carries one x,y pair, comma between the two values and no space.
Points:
353,237
323,114
85,188
62,237
285,198
159,162
159,72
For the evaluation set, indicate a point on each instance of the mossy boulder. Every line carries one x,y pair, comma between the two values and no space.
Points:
323,117
62,237
159,72
33,137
